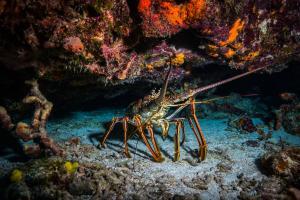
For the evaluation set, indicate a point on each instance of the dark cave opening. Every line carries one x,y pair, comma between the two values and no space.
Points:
187,39
88,98
265,85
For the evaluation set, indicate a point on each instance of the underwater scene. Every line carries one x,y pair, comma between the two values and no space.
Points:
150,99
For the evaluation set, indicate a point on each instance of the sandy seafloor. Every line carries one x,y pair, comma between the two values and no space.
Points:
230,170
230,159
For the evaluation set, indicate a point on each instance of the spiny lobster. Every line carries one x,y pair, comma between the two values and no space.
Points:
155,110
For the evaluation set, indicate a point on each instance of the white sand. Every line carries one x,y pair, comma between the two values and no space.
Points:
215,178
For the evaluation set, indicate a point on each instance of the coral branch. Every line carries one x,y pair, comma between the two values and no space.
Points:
37,130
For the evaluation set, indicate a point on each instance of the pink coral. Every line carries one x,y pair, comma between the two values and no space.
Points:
118,62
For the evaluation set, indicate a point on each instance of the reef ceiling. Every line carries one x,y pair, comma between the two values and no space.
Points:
118,41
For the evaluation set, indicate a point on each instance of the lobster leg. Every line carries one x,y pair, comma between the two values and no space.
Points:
179,126
177,140
183,133
114,121
198,131
194,130
139,126
125,122
150,130
165,128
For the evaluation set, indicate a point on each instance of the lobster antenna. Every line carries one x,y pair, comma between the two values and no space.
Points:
202,89
163,90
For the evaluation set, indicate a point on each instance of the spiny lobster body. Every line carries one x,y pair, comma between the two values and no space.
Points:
155,109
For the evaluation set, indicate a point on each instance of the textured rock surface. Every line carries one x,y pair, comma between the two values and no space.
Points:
104,38
284,163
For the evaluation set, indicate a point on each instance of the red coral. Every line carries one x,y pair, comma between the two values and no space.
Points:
144,6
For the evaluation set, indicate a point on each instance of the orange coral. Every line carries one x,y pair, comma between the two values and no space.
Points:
195,9
173,13
178,60
182,15
232,47
229,53
234,32
176,14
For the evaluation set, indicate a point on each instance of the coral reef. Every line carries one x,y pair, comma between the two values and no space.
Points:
87,46
91,33
83,51
100,36
37,130
238,33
